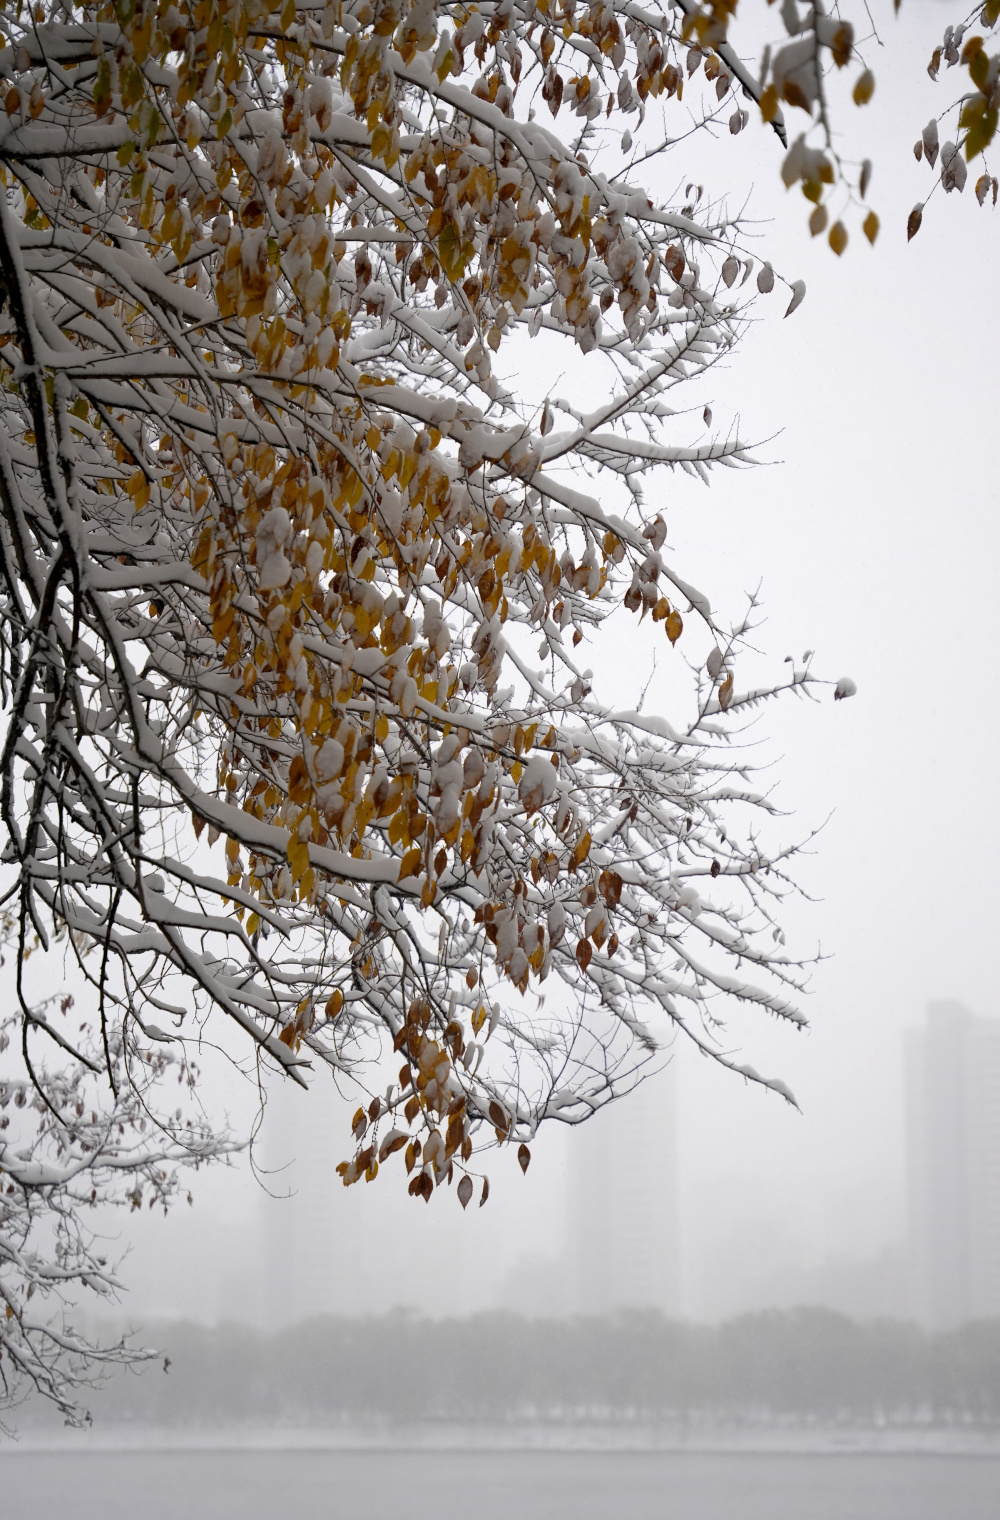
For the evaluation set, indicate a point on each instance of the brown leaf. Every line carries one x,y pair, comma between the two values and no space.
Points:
523,1157
913,221
726,692
465,1191
486,1191
673,262
498,1117
584,952
421,1187
390,1145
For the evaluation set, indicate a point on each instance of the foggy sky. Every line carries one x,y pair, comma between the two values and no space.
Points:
872,533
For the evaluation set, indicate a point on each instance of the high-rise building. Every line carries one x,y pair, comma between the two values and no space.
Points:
297,1153
366,1249
624,1234
953,1165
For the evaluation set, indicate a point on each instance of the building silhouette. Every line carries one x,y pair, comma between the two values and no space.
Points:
624,1226
953,1165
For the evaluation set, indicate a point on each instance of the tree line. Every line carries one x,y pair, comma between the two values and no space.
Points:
808,1365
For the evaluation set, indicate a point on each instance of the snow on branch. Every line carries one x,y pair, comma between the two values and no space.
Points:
294,568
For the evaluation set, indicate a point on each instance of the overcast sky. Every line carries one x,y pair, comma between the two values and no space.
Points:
872,533
876,540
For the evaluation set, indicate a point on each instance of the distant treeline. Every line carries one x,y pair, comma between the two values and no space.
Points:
806,1365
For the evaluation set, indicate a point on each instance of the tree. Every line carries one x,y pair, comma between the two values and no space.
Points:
299,744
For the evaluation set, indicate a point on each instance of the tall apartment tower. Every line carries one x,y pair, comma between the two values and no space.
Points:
953,1165
327,1249
624,1231
297,1153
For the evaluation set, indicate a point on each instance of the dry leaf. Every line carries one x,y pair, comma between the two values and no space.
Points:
798,296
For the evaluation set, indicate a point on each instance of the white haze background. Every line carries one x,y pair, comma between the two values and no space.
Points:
872,532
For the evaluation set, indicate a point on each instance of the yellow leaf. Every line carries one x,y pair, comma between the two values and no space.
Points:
382,729
410,863
674,625
581,850
298,858
870,226
838,238
864,89
817,221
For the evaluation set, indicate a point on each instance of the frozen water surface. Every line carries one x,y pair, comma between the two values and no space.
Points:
494,1485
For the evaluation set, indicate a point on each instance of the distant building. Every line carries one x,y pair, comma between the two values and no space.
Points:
328,1249
303,1250
624,1213
953,1165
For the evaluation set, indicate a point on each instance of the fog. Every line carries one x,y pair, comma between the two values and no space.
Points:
872,534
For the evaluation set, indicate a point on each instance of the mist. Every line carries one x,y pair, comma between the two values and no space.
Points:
704,1267
871,539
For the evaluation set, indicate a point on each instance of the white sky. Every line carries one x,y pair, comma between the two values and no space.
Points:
876,541
874,537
